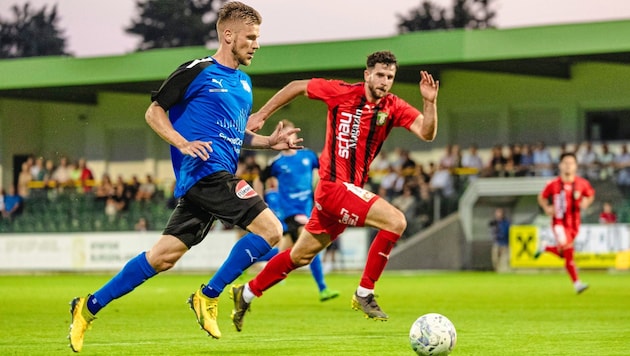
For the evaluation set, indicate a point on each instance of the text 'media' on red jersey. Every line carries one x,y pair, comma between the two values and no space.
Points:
355,128
566,198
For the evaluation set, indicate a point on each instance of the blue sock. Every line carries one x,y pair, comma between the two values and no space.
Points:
134,273
318,272
245,252
269,255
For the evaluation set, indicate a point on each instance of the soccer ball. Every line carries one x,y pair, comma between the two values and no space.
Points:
432,335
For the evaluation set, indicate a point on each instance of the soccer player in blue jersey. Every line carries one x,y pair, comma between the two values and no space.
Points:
294,171
208,103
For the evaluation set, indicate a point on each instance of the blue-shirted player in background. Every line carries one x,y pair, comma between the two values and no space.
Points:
292,201
208,102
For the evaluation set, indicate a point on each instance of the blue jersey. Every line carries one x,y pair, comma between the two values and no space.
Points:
272,198
294,172
206,101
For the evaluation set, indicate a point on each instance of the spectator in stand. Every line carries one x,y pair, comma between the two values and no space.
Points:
516,153
133,186
24,180
425,204
422,175
607,215
105,189
147,189
62,175
47,177
387,188
13,203
496,165
450,159
543,161
378,170
472,161
126,192
527,161
443,188
606,163
407,164
622,165
118,203
407,203
85,176
37,170
588,161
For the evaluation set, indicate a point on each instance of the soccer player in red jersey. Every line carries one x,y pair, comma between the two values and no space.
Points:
360,117
562,198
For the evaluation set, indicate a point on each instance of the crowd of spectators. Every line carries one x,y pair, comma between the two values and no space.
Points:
423,191
41,179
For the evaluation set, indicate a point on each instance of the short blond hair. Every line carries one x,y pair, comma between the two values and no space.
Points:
238,12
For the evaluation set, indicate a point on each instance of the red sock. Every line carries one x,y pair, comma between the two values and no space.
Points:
569,264
275,271
377,257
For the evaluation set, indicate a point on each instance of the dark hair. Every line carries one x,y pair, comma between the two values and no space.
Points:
567,154
384,57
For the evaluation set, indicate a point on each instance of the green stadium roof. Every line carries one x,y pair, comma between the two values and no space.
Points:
538,51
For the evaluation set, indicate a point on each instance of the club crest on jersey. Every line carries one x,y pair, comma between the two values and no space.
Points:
577,195
244,190
246,86
381,118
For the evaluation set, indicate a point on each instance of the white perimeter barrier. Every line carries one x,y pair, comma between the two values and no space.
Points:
110,251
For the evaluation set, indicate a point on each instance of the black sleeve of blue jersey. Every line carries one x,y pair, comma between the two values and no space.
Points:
174,87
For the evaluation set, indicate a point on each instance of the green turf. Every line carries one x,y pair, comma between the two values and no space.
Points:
509,314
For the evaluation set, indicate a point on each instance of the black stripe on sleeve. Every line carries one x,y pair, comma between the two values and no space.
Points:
333,144
174,87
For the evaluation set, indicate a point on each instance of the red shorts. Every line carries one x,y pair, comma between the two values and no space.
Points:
337,206
564,236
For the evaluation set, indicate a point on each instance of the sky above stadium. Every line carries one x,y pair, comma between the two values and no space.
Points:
96,27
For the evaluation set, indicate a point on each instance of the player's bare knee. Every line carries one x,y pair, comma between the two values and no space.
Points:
397,224
161,264
301,260
273,233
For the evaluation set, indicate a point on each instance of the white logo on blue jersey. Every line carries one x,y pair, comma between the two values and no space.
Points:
246,86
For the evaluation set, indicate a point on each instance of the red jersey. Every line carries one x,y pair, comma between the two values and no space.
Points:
566,198
355,128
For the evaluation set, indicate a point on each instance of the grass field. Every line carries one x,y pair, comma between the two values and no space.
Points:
508,314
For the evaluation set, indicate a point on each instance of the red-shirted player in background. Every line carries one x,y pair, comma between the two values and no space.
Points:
360,116
562,199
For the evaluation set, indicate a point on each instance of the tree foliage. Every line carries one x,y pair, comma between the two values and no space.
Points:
470,14
168,23
31,33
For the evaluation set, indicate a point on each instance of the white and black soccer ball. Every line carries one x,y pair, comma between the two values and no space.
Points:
432,335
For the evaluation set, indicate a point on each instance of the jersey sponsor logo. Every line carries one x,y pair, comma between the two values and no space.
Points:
244,190
348,131
360,192
381,118
348,218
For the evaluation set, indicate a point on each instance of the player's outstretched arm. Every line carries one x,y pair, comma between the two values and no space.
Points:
280,139
280,99
425,125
